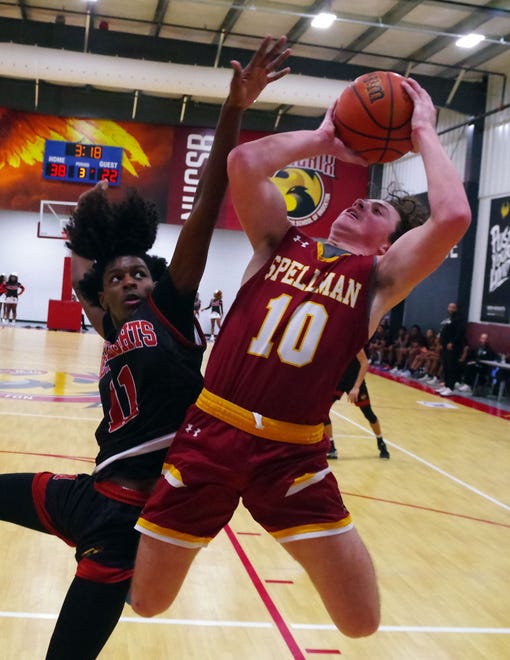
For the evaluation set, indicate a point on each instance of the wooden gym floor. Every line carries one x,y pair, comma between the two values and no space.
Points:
435,518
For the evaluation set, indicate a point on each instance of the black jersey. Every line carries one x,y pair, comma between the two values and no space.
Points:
150,375
349,376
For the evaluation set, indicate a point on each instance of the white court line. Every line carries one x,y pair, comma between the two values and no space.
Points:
421,629
431,465
268,624
80,419
167,622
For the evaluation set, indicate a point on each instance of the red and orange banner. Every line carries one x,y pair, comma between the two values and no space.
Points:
164,163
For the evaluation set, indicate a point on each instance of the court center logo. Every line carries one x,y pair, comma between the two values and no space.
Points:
305,186
54,387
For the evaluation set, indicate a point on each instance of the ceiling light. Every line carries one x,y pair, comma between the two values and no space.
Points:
323,20
470,40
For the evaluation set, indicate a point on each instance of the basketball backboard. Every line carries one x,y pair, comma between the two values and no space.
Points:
53,217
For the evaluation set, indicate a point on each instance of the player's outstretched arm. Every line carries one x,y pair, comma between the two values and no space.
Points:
260,205
265,67
420,251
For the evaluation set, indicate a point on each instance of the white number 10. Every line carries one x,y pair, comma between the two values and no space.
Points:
300,337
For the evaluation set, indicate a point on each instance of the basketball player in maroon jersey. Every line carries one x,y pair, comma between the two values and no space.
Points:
150,374
303,312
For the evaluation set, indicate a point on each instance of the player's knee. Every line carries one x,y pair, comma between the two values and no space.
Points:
362,626
146,607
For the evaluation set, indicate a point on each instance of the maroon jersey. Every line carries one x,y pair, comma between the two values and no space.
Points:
298,323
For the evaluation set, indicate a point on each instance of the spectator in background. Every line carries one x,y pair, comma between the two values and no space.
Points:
427,363
216,307
378,345
197,305
13,289
503,375
396,349
416,343
2,296
471,367
452,337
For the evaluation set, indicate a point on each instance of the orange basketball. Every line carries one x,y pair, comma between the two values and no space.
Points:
373,117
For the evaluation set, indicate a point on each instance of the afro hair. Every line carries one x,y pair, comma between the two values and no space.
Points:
102,231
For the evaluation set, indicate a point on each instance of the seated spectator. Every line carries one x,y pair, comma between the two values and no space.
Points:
401,342
472,370
407,354
416,343
503,375
428,361
378,344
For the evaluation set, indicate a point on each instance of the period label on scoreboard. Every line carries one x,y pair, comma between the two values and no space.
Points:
81,163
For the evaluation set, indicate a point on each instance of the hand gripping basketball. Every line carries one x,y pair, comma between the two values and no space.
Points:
373,117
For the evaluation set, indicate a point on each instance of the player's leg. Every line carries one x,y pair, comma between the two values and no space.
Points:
328,430
160,570
88,616
16,501
376,428
365,407
343,573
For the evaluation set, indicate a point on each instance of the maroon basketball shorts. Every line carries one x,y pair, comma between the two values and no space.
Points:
287,487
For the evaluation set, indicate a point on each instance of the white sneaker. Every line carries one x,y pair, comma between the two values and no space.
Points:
464,388
424,379
446,391
431,381
440,387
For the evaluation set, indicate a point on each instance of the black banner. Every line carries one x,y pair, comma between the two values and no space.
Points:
496,289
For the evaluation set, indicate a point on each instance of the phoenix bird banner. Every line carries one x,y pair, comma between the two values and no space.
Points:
164,163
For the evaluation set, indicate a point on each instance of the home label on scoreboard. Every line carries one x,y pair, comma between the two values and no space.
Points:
81,163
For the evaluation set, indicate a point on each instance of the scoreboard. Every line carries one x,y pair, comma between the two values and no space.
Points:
81,163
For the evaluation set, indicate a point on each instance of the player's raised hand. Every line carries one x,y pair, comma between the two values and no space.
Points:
424,112
264,67
335,145
100,187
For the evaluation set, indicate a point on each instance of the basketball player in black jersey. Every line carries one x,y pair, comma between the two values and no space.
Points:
150,374
353,383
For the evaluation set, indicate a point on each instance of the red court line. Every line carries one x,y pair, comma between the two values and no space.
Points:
85,459
462,400
292,645
427,508
279,581
324,651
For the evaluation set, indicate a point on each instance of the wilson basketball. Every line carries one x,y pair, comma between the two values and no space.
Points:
373,117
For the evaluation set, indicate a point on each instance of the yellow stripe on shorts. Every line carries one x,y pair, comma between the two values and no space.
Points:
313,530
171,535
257,424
